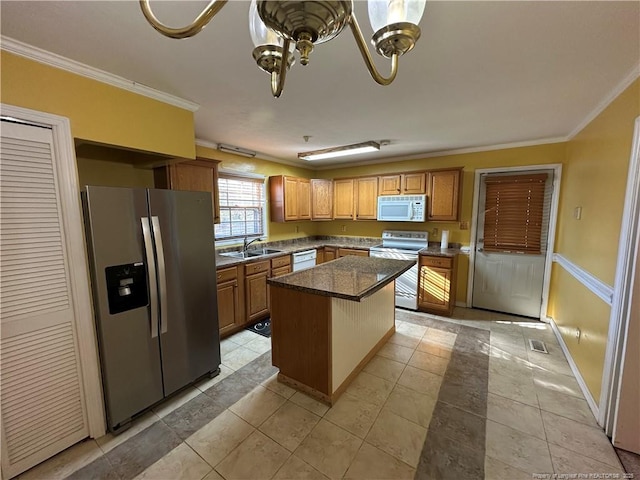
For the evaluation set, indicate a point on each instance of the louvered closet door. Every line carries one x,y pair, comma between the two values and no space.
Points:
43,409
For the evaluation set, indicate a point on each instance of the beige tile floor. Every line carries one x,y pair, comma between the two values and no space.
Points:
537,420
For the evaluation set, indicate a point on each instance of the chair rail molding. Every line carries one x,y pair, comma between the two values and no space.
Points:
593,283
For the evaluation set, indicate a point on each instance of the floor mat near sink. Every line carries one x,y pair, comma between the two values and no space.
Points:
261,328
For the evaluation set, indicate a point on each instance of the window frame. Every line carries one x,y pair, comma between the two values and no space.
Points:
259,179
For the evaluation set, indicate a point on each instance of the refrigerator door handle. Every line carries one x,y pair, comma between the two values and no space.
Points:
162,277
151,269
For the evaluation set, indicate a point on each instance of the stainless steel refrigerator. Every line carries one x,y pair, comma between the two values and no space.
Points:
154,290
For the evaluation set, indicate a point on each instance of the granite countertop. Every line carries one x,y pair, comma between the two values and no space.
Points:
436,251
299,245
351,277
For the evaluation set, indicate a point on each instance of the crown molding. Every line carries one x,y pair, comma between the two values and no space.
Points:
446,153
58,61
606,101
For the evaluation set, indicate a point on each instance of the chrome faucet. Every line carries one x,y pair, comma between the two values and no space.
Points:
246,243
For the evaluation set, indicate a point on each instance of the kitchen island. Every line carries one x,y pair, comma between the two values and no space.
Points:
328,321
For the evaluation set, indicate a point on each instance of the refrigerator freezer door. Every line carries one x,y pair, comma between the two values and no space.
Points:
129,356
183,232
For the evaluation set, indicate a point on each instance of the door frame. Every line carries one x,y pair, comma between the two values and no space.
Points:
67,173
628,250
551,234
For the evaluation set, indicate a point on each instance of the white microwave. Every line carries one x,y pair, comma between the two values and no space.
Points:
402,208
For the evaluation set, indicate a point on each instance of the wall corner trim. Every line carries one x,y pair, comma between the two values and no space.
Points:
597,286
58,61
576,372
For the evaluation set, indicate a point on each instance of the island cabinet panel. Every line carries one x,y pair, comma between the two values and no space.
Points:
321,199
198,176
319,255
289,198
444,195
302,351
343,199
437,284
256,291
367,198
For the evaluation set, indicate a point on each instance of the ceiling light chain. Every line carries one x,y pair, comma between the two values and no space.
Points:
279,27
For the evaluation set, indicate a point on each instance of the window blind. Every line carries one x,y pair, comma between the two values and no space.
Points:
515,213
242,207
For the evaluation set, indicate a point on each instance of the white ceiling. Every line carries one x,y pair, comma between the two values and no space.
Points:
482,74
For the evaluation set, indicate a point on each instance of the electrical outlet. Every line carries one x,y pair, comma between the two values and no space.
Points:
344,228
297,228
577,213
434,231
464,225
578,334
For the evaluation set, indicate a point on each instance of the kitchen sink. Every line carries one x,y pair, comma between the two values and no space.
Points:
251,253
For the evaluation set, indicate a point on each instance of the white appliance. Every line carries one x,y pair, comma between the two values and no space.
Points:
403,245
302,260
402,208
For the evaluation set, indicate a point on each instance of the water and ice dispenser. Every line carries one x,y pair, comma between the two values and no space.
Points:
126,287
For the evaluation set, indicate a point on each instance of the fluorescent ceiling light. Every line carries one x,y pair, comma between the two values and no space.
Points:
236,150
340,151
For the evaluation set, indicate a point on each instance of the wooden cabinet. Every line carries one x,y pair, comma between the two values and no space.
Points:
230,300
321,199
402,184
330,253
343,252
437,284
444,195
290,198
280,265
319,255
199,175
256,291
366,198
414,183
343,199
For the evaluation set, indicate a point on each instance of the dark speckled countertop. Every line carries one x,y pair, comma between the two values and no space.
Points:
351,277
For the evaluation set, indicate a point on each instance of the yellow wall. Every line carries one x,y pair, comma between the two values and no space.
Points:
98,112
594,177
574,306
235,163
112,174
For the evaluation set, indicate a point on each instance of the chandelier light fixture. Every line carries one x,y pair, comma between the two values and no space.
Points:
280,27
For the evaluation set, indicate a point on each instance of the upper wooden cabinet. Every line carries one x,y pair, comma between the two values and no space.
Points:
402,184
343,199
444,195
290,198
321,199
199,176
366,198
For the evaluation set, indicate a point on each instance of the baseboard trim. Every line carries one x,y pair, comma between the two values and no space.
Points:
593,283
576,372
461,304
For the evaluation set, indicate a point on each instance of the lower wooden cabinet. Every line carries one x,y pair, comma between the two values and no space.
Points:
437,284
280,265
256,290
330,253
343,252
230,300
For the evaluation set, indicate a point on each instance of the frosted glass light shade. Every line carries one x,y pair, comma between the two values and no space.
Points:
386,12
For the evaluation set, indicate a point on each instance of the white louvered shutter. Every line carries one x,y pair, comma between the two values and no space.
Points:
42,404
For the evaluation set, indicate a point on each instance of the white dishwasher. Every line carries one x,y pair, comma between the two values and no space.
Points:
302,260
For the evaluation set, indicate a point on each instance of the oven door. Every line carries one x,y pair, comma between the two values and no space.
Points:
407,283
